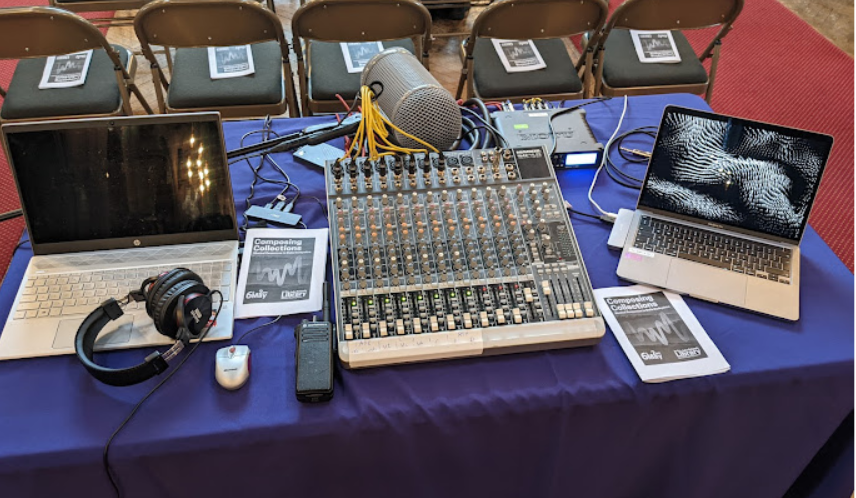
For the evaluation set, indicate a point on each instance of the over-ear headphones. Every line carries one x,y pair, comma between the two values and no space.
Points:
180,305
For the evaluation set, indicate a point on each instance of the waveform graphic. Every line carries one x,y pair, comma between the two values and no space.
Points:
228,56
662,327
278,275
69,66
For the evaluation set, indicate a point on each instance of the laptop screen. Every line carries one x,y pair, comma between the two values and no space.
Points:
727,171
122,178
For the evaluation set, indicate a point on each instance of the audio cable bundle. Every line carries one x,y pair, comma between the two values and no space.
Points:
372,133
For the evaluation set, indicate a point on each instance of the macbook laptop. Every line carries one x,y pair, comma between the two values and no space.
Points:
109,202
723,208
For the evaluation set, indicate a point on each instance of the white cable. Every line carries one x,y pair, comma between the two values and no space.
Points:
603,162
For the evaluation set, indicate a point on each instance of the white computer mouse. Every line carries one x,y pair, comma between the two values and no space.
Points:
232,366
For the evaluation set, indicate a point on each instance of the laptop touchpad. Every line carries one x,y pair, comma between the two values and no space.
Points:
115,332
707,282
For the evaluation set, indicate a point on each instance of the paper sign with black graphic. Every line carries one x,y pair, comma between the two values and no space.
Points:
281,272
659,334
357,55
230,62
655,46
66,71
518,55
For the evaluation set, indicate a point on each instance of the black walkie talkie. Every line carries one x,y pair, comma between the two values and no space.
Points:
313,357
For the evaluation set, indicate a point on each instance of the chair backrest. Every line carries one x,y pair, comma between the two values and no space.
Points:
29,32
362,20
538,19
206,23
674,14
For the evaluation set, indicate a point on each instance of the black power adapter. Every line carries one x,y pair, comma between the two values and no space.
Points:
313,357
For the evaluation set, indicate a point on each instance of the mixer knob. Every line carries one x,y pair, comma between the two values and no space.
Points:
458,265
352,169
399,199
441,266
361,272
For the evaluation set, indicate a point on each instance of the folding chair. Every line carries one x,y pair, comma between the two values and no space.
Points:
546,22
31,34
619,70
190,27
108,5
323,24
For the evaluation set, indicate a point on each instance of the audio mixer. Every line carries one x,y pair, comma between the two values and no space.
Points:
454,254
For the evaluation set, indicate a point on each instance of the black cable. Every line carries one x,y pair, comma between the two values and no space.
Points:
105,456
566,110
485,114
20,244
496,133
620,176
9,215
266,132
465,133
245,334
602,218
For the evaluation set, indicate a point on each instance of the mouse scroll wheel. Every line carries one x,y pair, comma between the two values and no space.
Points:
232,351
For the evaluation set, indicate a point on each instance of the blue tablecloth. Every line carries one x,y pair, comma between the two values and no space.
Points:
574,422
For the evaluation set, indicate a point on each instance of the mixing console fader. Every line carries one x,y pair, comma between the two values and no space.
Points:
455,254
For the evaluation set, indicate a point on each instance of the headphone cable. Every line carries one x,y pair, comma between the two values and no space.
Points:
105,455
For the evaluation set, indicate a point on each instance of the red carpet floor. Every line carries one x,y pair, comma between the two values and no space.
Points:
10,231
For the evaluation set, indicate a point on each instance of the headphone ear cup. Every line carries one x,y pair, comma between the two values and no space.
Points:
197,312
164,310
165,282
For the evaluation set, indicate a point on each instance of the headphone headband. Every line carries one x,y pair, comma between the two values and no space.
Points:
172,287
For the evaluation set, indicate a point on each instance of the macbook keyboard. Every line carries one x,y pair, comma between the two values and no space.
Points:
64,294
715,249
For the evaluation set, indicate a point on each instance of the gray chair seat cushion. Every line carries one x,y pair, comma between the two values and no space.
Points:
327,73
191,85
99,94
493,81
621,66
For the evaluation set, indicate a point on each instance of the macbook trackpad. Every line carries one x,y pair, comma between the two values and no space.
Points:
707,282
115,332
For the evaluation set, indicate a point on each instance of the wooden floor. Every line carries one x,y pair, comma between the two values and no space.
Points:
832,18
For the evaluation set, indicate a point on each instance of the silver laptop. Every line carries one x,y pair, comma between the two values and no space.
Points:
723,208
109,202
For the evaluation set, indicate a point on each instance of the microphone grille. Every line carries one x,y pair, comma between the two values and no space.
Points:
413,99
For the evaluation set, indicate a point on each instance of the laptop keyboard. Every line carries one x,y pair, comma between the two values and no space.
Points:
64,294
715,249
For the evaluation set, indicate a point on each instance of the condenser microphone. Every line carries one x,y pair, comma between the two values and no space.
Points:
412,99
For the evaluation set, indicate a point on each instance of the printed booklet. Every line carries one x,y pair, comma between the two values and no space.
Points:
655,46
230,62
65,71
518,55
357,55
282,272
659,334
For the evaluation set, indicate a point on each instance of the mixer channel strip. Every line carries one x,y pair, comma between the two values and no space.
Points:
460,254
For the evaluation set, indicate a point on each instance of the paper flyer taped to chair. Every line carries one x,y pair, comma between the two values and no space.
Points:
282,272
66,71
659,333
230,62
655,47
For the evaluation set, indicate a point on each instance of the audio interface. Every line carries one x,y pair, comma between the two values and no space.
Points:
455,254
